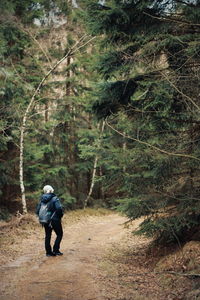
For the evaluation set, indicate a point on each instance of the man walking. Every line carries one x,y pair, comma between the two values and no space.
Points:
54,208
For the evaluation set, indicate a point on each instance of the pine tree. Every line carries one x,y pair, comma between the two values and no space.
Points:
150,98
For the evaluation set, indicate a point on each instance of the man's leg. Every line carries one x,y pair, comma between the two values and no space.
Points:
48,231
57,227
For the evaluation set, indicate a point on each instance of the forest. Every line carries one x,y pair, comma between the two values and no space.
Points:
101,100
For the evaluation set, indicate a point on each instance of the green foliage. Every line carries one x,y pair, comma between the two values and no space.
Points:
14,41
30,10
114,94
21,71
147,56
69,202
4,214
111,63
171,229
192,13
150,56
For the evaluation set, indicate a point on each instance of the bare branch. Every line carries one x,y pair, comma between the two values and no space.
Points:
151,146
164,272
179,91
170,19
39,45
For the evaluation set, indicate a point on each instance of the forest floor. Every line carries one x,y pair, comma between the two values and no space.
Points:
102,261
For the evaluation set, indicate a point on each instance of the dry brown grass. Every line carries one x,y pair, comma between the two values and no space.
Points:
186,259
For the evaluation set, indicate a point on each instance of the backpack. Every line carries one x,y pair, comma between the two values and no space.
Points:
45,215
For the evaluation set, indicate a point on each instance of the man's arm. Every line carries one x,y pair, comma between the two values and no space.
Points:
38,208
58,208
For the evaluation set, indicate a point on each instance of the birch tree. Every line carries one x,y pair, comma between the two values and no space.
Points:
95,165
82,42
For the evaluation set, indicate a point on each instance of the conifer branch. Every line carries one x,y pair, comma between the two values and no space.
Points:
170,19
39,45
179,91
151,146
141,111
27,31
18,75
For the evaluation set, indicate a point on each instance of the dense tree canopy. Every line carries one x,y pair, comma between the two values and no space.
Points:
33,38
118,120
150,98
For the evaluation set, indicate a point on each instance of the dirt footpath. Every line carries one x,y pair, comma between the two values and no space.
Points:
102,261
72,276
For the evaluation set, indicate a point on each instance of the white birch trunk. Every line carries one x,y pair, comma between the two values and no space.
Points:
21,171
94,169
92,182
124,149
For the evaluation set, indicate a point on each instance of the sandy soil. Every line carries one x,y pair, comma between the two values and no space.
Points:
102,261
72,276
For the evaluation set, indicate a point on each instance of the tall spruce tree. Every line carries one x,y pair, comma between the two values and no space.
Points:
149,98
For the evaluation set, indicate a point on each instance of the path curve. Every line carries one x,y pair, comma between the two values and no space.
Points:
74,276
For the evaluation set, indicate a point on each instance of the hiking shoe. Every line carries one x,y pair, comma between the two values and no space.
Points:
58,253
50,254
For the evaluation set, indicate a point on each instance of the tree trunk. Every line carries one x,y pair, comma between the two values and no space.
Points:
92,182
21,169
46,114
101,191
94,169
124,146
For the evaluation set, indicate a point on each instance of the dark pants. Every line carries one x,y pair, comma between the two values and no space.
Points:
57,227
